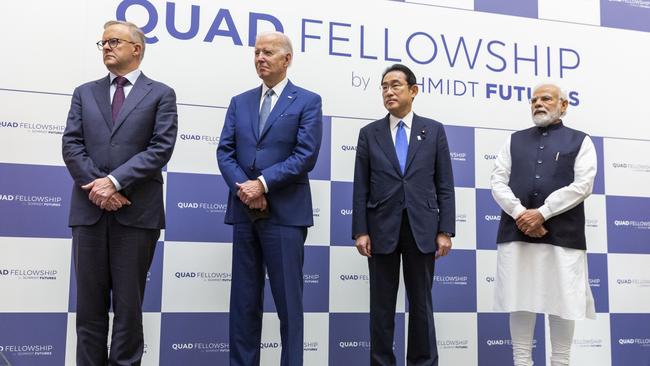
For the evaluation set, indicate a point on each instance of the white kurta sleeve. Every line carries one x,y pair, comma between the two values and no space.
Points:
499,181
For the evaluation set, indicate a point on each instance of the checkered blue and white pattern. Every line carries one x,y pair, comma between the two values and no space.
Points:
187,297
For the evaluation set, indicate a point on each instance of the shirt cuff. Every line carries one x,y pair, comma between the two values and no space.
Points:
545,211
261,179
517,211
117,185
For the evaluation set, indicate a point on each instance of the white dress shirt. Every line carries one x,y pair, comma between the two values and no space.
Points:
131,77
277,90
408,122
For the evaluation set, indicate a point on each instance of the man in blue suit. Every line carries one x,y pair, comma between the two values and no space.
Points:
120,132
270,141
403,205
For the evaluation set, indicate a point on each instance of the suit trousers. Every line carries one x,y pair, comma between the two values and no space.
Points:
111,262
418,270
279,249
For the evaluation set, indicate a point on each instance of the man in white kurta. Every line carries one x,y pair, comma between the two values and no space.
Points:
540,179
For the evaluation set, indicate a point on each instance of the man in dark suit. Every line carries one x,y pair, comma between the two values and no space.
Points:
270,141
403,205
120,132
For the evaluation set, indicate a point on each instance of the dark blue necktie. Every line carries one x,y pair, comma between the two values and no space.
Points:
266,109
401,145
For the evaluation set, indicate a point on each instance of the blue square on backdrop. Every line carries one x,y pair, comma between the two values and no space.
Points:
461,150
494,343
316,282
630,337
598,281
454,282
194,339
488,216
322,168
33,339
599,180
633,15
341,211
628,224
196,208
35,201
520,8
349,339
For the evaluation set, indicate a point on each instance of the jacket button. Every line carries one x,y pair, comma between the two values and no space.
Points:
539,161
541,147
537,176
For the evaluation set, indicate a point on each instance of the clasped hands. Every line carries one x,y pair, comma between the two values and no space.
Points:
102,192
530,223
251,193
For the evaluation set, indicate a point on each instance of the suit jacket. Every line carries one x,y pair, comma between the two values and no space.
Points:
284,152
381,192
133,150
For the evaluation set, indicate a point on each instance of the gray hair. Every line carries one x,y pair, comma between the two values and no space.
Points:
285,41
563,94
137,35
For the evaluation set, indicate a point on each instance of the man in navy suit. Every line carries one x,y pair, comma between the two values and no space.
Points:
120,132
403,205
270,141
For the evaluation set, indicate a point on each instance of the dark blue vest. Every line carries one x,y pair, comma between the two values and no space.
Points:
542,162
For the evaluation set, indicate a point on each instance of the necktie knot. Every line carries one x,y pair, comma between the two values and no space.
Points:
120,81
269,93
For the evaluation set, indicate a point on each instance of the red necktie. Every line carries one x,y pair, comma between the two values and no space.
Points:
118,97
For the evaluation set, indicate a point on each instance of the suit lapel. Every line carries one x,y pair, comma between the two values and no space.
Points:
289,95
254,112
385,142
101,92
140,89
414,143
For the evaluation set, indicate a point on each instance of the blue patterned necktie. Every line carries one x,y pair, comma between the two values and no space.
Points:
401,145
266,109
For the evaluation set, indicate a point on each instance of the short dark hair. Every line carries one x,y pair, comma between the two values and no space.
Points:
410,76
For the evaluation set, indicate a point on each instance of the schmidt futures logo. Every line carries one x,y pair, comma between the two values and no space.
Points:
35,127
204,276
633,167
458,156
310,346
32,200
201,347
451,280
311,278
28,349
210,207
643,342
453,344
29,274
634,224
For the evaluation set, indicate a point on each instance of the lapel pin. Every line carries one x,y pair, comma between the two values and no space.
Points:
290,97
419,138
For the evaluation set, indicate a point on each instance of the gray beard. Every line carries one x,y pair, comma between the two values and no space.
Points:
546,119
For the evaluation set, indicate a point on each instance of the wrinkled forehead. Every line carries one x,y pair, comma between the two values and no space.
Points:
268,41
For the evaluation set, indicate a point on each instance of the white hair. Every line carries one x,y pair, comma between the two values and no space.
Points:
285,43
137,35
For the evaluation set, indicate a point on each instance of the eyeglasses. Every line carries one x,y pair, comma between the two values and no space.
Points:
112,43
394,87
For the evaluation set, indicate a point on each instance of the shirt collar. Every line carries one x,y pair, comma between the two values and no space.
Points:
131,77
408,120
277,89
